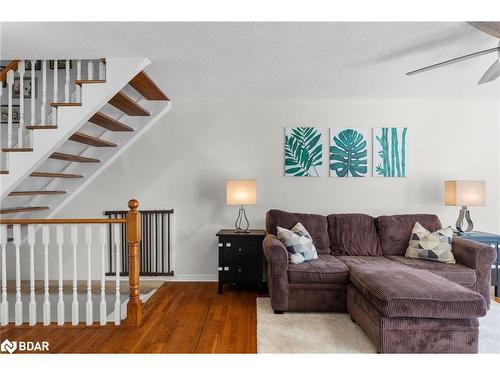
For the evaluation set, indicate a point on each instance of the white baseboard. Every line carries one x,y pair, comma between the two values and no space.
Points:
181,278
176,278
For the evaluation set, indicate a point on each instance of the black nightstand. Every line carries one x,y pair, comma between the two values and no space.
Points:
492,240
241,258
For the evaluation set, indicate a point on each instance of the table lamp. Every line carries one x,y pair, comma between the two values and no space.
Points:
464,194
241,193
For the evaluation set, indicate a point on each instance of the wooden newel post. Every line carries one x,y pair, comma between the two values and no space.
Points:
134,306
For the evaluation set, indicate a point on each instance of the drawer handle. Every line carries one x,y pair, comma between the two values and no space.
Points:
228,244
240,249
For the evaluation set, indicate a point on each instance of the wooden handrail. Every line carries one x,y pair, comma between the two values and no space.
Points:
10,66
62,221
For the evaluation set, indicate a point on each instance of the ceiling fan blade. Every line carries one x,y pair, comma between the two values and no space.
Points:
490,28
491,74
452,61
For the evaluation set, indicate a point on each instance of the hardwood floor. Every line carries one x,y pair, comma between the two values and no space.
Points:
179,318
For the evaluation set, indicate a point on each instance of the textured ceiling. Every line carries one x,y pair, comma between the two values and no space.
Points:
276,60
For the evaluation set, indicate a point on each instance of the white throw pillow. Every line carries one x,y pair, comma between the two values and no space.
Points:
431,246
298,243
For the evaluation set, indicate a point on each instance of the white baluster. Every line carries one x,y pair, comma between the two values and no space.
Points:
33,92
33,105
43,109
116,238
10,82
66,84
46,300
21,70
56,73
60,299
89,308
101,70
32,305
102,242
90,69
78,77
74,305
4,307
18,312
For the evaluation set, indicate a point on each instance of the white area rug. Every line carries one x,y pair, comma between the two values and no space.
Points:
336,333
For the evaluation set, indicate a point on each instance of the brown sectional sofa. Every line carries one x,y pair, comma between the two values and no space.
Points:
403,305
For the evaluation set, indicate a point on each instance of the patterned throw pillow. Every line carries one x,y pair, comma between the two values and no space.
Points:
431,246
298,243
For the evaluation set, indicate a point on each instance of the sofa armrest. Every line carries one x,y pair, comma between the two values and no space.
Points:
275,251
479,257
277,275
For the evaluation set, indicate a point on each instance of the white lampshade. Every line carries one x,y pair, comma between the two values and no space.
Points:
464,193
241,192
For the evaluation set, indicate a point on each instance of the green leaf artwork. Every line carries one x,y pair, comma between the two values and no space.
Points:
349,152
390,152
303,152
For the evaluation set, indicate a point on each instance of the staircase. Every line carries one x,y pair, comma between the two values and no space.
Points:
67,130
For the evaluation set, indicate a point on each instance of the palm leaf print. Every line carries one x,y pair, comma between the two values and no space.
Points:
303,152
349,155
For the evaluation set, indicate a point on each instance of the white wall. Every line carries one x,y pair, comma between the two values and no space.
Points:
184,160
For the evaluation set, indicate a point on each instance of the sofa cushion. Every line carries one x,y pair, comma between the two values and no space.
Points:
325,269
350,260
316,225
394,231
353,234
457,273
402,291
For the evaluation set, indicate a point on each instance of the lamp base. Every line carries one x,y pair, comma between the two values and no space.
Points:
241,231
239,228
464,214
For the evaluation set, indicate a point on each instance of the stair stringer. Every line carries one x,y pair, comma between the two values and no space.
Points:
94,96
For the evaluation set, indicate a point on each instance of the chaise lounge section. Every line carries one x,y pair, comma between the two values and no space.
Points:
403,305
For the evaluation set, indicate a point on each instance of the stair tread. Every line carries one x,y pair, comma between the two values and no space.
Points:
127,105
46,127
109,123
15,210
91,141
75,158
63,104
17,149
55,175
143,84
84,81
36,192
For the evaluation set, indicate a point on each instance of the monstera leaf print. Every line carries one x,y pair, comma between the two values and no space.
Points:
349,154
303,151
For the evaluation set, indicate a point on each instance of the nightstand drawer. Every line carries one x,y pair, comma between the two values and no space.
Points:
238,271
239,249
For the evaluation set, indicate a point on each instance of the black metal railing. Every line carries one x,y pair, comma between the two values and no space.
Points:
155,245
